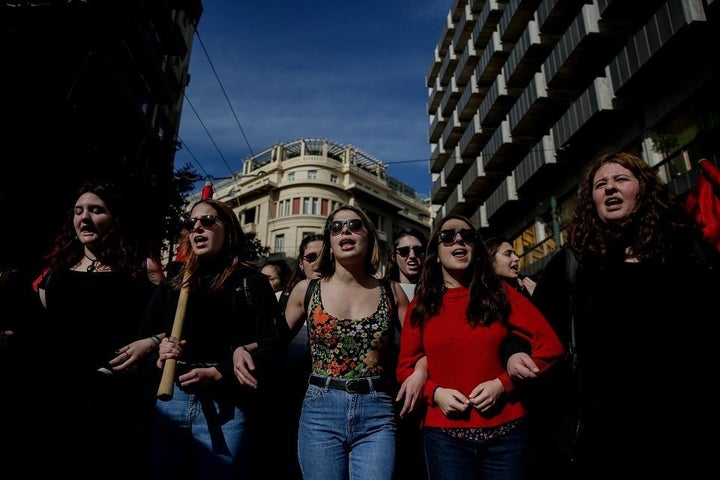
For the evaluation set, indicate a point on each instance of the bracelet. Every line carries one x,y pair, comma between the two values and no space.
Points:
155,339
245,348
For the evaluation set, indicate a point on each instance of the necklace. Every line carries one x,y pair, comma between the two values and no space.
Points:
94,263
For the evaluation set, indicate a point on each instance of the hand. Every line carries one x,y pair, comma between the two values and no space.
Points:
485,395
243,366
521,367
529,284
131,353
452,403
199,376
169,348
410,392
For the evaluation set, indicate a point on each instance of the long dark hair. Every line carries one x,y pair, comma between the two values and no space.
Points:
488,296
115,247
393,272
232,256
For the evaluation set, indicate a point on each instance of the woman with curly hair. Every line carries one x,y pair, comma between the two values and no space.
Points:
94,289
627,295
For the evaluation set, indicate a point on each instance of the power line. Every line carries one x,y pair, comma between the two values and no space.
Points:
197,33
209,135
185,146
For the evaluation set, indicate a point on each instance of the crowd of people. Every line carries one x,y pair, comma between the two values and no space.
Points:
437,361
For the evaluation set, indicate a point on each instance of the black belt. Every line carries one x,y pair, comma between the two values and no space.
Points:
350,385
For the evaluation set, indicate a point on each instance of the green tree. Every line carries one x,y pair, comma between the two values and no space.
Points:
182,184
256,249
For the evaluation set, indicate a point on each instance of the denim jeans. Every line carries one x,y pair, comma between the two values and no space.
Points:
503,458
346,435
195,435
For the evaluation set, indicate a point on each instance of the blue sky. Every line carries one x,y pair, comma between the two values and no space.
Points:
350,71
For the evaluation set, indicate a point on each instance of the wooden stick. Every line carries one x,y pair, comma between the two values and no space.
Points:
165,389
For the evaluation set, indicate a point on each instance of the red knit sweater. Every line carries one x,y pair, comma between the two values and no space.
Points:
461,357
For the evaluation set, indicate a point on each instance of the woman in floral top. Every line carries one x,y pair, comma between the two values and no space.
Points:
347,425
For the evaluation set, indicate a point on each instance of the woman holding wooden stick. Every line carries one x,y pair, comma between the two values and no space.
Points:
203,428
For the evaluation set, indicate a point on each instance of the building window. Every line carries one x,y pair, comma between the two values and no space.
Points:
306,206
312,174
316,206
279,243
283,208
250,215
291,176
375,219
333,178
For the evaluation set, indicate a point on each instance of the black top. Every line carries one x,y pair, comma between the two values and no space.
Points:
215,324
643,341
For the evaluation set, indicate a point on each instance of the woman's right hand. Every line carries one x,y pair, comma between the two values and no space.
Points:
521,367
169,348
243,366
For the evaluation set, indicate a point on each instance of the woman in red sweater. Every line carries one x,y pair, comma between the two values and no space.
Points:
460,314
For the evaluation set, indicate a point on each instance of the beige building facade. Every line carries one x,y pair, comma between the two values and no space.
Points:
285,193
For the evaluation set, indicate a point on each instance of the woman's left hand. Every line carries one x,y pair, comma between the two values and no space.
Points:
485,396
411,390
199,376
130,354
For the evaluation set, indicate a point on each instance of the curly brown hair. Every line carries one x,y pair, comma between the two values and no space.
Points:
647,232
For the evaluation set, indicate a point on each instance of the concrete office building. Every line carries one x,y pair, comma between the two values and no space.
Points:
523,94
286,192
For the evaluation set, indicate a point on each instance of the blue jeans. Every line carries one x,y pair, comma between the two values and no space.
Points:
503,458
346,435
199,435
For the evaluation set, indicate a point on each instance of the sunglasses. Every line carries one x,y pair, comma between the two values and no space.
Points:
310,257
448,236
354,225
206,221
405,251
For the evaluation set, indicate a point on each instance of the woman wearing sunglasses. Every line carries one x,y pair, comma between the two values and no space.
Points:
205,429
460,314
347,422
405,259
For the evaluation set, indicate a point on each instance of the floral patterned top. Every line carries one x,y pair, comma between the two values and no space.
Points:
350,348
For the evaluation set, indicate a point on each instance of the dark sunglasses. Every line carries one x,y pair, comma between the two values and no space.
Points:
206,221
310,257
405,251
354,225
448,236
